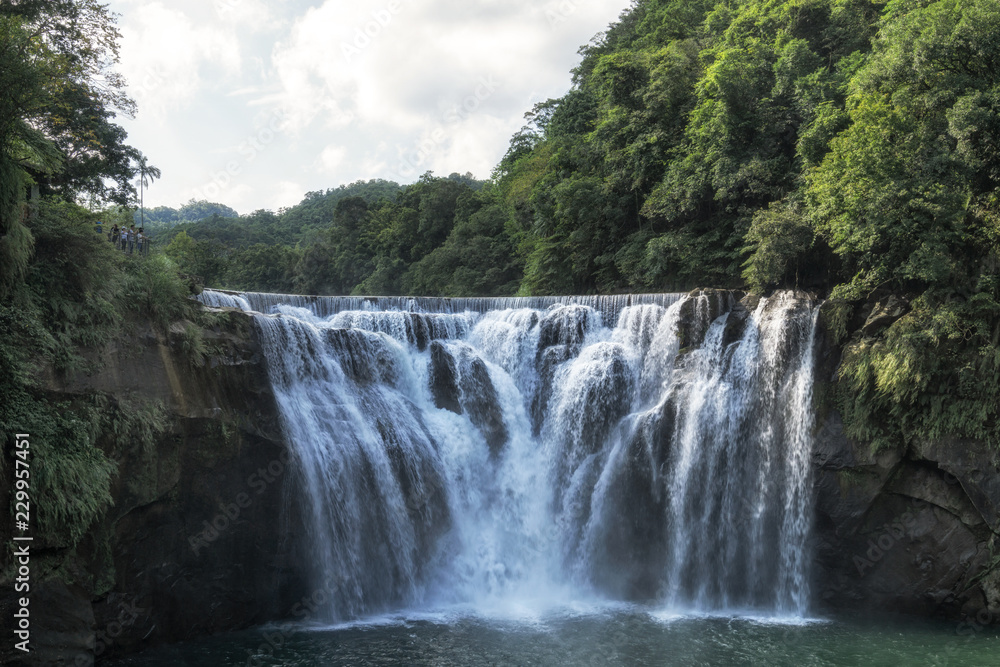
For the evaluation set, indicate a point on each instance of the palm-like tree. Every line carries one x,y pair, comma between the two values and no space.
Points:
147,174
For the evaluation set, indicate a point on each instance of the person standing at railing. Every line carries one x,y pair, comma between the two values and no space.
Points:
115,235
131,238
140,241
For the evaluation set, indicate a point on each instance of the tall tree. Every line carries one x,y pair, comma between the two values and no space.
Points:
147,174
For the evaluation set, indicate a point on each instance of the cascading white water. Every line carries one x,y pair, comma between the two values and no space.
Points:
524,452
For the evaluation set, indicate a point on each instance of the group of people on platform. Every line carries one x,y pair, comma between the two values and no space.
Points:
129,239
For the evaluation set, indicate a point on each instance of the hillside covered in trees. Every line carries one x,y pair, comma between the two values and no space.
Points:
730,143
165,217
850,147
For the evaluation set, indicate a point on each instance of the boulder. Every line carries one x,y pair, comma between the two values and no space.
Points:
460,382
885,311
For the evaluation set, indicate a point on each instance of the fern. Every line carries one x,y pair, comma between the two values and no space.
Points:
934,373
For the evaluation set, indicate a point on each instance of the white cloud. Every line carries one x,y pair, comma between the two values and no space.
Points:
287,193
253,14
241,197
166,57
378,89
332,157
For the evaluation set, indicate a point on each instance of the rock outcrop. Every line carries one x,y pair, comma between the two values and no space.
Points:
198,539
460,382
911,530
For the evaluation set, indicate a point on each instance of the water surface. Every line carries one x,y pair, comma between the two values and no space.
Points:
618,635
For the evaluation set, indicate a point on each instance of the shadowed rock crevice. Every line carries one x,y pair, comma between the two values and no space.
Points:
906,531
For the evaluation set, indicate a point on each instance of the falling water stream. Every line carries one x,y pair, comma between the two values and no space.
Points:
531,453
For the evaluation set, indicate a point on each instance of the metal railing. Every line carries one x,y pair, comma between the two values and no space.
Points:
129,244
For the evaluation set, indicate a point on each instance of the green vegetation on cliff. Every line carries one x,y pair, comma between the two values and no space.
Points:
65,293
77,297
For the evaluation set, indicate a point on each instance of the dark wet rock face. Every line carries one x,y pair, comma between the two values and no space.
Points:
906,531
702,308
549,360
364,357
62,626
632,526
561,332
198,539
564,325
608,396
460,382
444,379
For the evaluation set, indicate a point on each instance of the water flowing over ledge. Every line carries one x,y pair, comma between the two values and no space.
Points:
491,452
324,306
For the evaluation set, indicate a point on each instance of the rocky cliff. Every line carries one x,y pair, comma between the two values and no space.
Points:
913,529
200,537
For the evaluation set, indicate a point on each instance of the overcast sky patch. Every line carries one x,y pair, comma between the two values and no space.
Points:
253,104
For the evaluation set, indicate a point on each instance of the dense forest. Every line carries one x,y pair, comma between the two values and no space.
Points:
165,217
847,147
753,143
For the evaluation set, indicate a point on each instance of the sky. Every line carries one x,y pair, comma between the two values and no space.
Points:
254,103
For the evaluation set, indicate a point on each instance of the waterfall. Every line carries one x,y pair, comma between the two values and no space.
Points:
490,452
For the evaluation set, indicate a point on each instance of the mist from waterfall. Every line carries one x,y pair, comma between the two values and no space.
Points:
531,453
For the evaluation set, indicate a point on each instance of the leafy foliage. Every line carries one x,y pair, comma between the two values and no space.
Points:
76,296
65,293
935,374
62,97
